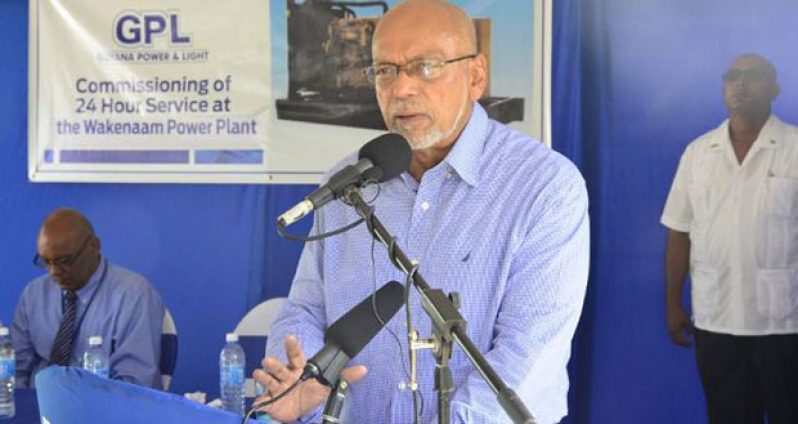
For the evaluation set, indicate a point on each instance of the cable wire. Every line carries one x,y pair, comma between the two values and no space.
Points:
270,401
281,227
418,398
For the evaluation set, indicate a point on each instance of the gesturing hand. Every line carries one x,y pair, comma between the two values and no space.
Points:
276,377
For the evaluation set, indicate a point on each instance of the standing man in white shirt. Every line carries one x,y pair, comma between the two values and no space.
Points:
733,217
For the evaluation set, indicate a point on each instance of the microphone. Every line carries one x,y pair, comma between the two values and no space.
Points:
381,159
351,333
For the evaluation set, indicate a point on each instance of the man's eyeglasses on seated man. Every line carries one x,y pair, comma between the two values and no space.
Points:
62,262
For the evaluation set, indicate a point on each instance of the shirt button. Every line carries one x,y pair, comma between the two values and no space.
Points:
424,206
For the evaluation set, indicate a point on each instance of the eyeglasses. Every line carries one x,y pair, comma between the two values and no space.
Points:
425,69
62,262
751,75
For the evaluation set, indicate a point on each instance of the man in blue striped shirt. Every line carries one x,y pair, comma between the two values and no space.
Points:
84,295
487,211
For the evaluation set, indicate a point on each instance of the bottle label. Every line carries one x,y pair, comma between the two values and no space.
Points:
6,368
232,375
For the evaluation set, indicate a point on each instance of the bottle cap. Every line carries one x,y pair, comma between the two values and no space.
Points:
95,340
3,331
231,337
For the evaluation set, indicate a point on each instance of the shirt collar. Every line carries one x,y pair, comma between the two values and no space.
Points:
771,136
94,281
466,154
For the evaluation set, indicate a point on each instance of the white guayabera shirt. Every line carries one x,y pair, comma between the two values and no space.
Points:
743,225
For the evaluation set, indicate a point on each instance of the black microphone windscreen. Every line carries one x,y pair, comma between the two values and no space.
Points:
357,327
389,152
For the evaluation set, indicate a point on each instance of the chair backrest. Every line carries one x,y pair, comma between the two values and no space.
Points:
253,332
168,350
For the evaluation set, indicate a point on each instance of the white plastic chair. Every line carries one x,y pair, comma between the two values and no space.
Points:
253,331
168,350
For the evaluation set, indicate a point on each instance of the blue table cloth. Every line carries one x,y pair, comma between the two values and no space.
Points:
27,408
73,396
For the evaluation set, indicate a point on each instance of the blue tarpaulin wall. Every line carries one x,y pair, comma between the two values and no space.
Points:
634,82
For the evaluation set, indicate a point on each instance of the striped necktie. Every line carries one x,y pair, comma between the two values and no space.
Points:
62,345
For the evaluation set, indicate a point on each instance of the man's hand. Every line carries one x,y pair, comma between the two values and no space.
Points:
276,377
677,262
679,326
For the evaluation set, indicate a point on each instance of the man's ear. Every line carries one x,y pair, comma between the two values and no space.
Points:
478,71
95,242
775,91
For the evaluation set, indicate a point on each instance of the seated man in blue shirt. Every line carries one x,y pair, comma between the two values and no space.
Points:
486,210
84,295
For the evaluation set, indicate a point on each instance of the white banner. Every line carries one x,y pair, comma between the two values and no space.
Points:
245,91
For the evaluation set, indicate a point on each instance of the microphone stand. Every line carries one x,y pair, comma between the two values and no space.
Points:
448,324
335,402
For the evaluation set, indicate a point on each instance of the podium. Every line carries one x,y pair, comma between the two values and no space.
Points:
70,395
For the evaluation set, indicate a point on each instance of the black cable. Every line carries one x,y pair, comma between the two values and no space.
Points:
409,318
395,337
284,234
392,244
270,401
416,393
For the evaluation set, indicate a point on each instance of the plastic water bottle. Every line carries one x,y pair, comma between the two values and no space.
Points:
94,358
231,375
7,366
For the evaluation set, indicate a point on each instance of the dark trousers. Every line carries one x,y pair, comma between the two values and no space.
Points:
746,378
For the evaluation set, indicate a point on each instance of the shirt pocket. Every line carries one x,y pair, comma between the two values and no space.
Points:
777,236
705,292
781,197
776,293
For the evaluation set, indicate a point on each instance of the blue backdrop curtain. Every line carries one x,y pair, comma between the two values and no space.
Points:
578,115
633,83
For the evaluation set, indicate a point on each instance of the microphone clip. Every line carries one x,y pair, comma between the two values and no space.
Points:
335,402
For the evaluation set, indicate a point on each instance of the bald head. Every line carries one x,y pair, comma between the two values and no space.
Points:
759,60
450,23
68,248
65,220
